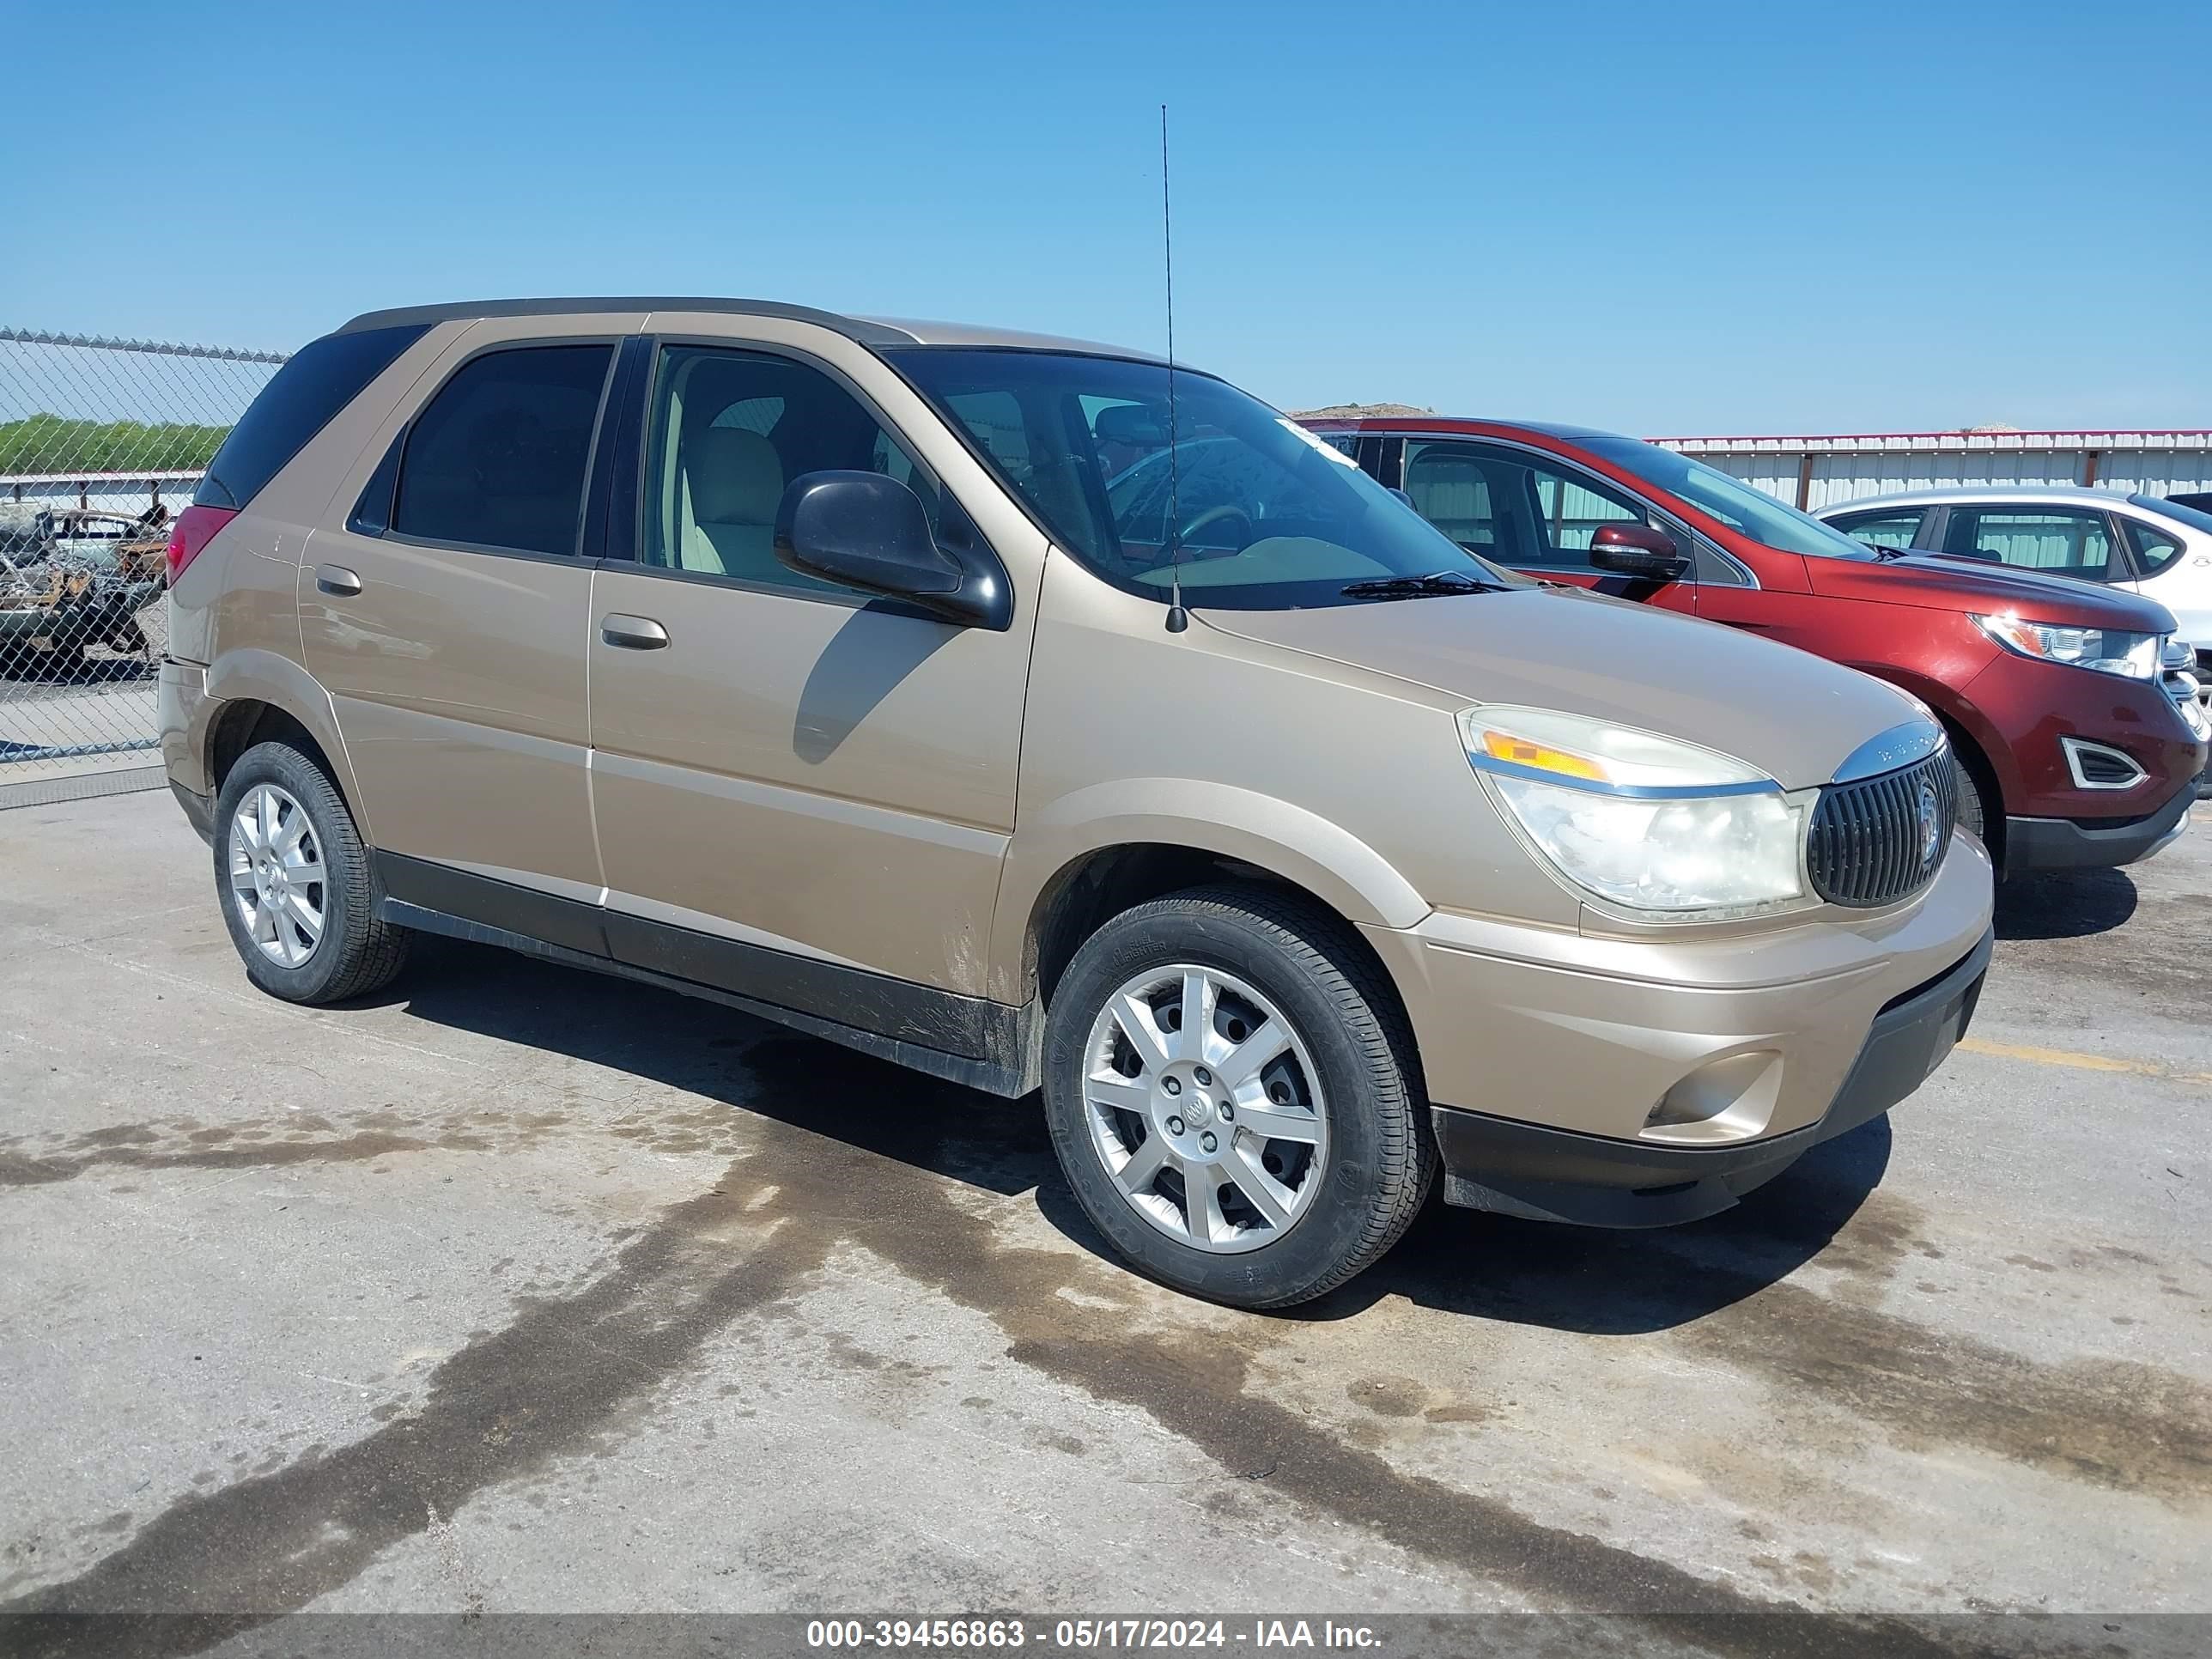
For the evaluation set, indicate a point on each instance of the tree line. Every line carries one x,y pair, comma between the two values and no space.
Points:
52,443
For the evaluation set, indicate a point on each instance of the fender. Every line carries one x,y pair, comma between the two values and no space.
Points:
1273,834
259,676
1955,710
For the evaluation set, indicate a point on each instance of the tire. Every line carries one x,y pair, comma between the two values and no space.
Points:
1360,1159
1974,814
356,952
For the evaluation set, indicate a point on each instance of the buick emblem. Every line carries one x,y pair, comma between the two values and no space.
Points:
1931,826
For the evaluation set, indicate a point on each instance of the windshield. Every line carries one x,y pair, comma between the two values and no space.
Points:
1263,515
2179,512
1748,511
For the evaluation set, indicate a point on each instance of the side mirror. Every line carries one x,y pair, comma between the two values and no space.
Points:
1404,497
1641,550
865,530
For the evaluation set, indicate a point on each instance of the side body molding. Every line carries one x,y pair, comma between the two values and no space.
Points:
1275,835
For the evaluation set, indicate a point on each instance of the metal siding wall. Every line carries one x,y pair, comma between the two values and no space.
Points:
2156,472
1851,469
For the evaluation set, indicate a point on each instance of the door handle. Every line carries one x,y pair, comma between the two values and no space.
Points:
633,633
337,578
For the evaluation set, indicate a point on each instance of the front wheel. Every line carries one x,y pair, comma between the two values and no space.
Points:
1233,1093
1973,813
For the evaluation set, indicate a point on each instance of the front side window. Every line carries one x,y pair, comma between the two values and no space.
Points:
2065,541
1891,530
1513,506
1573,510
1247,509
1750,512
2154,549
731,430
496,460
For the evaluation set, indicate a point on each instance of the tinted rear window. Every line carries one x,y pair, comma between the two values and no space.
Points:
498,459
316,382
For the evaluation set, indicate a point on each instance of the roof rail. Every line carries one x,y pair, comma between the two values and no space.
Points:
853,328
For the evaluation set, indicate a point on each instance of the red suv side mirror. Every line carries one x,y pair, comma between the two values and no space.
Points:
1637,549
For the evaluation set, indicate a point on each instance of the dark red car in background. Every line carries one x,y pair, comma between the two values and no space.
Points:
2077,751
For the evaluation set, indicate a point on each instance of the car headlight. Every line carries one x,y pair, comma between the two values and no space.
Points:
2107,650
1643,821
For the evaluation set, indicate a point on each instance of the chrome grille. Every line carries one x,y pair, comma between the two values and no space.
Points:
1868,842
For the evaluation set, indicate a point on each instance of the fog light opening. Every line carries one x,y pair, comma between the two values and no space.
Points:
1722,1100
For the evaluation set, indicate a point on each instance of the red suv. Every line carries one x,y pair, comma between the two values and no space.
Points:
2075,751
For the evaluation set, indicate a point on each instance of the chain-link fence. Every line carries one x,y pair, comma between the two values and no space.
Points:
101,444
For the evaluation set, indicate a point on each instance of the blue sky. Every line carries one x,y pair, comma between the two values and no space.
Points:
1665,218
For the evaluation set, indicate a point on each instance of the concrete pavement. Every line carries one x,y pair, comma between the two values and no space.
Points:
525,1289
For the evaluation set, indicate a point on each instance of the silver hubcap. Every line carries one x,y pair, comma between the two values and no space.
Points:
277,875
1206,1109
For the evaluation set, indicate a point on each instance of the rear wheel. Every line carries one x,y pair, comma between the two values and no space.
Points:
296,886
1231,1093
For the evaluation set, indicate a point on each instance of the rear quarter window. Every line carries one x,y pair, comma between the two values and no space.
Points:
498,459
2154,549
315,382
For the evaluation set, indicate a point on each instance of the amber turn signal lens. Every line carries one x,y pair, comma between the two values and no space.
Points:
1519,751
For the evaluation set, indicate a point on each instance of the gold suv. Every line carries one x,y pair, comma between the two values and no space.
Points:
1038,715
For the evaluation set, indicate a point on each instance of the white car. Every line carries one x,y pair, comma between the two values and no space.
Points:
2160,548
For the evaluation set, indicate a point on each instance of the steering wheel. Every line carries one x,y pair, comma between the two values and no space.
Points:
1214,515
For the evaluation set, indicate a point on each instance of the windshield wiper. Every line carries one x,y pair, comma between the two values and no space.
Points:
1415,588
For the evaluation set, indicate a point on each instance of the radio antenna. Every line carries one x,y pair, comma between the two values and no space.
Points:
1178,618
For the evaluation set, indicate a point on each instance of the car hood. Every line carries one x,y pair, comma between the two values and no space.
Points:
1796,717
1933,581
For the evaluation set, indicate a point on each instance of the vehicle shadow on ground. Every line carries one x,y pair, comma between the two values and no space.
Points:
746,1064
1618,1283
1454,1261
2069,904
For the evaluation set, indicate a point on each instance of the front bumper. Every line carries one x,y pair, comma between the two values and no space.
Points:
2091,843
1595,1180
1577,1074
2027,706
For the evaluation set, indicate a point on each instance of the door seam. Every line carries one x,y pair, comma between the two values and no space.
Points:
591,734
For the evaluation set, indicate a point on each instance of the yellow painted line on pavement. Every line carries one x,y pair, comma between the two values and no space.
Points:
2079,1063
